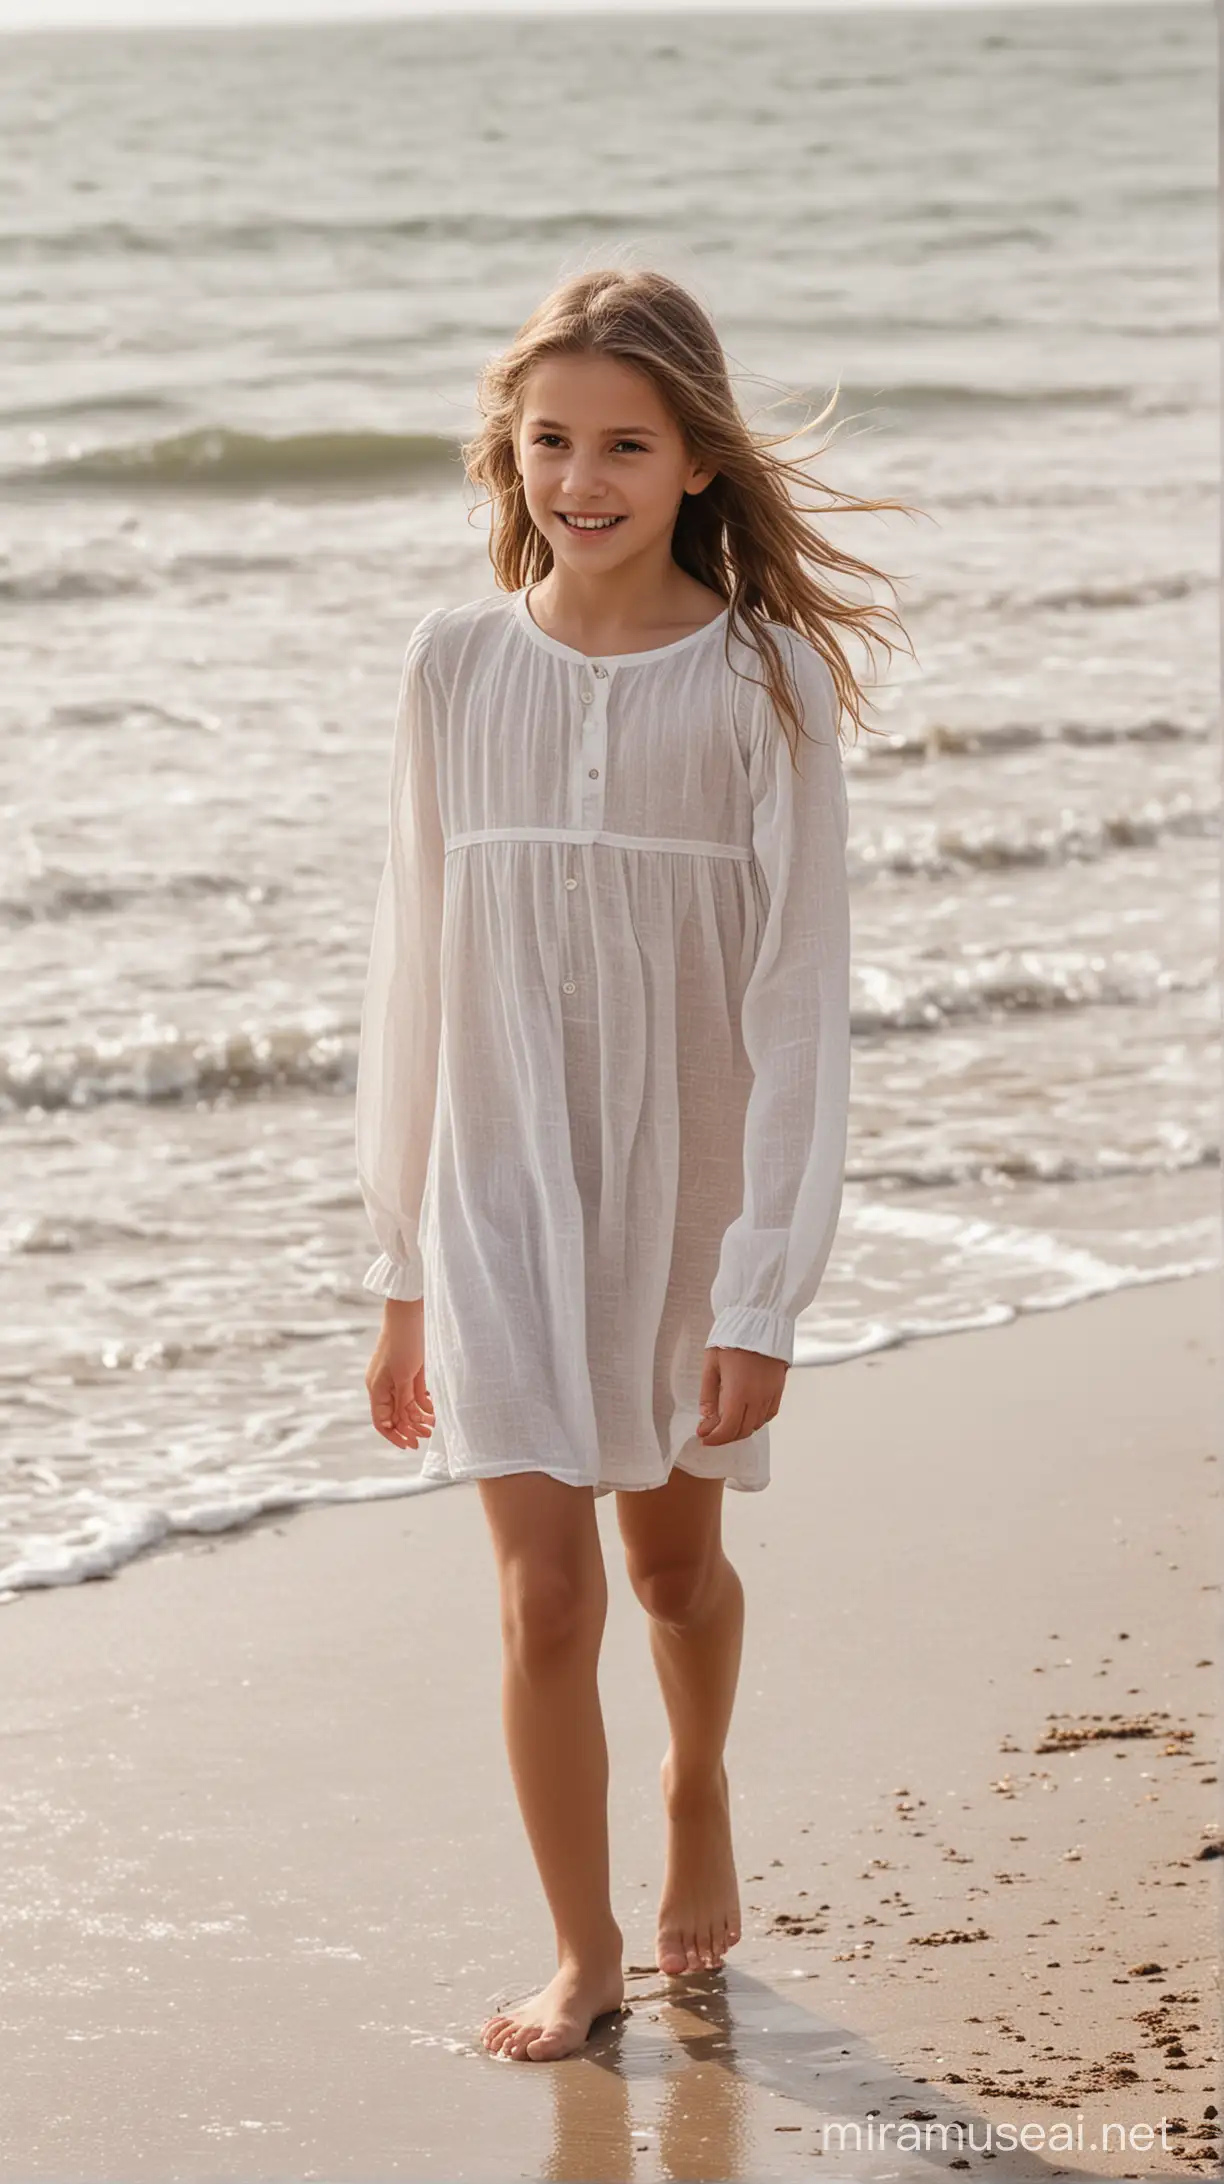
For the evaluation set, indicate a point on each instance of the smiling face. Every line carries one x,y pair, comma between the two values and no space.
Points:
603,462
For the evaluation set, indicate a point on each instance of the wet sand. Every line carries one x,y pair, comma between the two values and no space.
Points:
263,1873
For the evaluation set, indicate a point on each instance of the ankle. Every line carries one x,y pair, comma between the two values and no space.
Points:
597,1951
689,1783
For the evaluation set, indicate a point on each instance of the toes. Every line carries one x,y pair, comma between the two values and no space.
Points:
523,2037
547,2047
670,1955
702,1950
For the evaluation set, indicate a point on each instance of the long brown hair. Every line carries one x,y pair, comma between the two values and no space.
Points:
743,535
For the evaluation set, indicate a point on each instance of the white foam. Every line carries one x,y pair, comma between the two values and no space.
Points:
116,1532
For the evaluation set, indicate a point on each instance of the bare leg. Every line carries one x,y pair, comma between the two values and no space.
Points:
554,1595
695,1601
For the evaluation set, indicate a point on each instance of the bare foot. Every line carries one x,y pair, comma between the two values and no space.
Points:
559,2018
699,1910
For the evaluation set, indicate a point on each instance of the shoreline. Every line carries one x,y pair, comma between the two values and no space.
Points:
261,1835
179,1536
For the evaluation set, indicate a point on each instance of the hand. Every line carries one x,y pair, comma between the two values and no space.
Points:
401,1406
740,1390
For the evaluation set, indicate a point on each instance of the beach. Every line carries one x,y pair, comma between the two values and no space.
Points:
263,1872
247,311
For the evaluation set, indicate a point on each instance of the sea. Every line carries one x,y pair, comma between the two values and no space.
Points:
248,278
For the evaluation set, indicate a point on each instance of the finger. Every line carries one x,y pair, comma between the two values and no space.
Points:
730,1426
385,1411
411,1420
707,1400
384,1421
405,1426
382,1403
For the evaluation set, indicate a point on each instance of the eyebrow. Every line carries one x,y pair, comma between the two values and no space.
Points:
622,432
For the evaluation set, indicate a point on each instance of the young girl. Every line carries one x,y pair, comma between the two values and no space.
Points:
605,1057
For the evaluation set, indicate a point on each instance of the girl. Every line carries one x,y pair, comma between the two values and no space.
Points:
604,1060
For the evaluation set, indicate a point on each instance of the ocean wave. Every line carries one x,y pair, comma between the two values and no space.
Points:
51,895
80,1363
130,713
272,236
1145,591
1037,1164
53,582
104,1533
943,739
928,398
56,1234
319,1054
216,459
119,403
148,1067
1081,1275
1094,597
221,562
1012,981
1032,492
990,845
46,586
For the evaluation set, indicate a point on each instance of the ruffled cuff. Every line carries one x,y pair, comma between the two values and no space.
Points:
403,1279
746,1327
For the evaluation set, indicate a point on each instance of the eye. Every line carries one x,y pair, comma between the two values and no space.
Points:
543,439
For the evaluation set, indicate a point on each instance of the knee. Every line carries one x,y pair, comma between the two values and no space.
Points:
675,1593
549,1611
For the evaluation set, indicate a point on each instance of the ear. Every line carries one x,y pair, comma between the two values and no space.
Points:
698,479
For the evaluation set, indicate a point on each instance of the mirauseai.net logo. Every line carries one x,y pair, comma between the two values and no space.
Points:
913,2136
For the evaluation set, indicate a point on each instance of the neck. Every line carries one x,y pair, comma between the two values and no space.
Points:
634,604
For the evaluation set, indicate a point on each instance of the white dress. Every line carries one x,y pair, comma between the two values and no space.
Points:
604,1061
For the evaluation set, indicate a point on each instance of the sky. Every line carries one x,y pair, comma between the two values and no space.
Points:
100,14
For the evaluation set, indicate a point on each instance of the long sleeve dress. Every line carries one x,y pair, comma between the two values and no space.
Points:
604,1059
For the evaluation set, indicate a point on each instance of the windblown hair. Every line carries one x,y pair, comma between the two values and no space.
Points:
743,535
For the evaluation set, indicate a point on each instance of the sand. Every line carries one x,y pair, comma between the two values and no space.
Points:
263,1872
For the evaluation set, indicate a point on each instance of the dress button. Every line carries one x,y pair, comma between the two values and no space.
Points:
594,773
586,696
601,672
569,985
571,883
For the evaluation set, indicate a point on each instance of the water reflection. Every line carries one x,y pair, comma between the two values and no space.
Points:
666,2091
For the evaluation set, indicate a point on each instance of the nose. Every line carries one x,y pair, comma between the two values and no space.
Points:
581,478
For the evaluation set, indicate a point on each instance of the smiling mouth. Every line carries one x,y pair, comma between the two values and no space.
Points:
589,523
